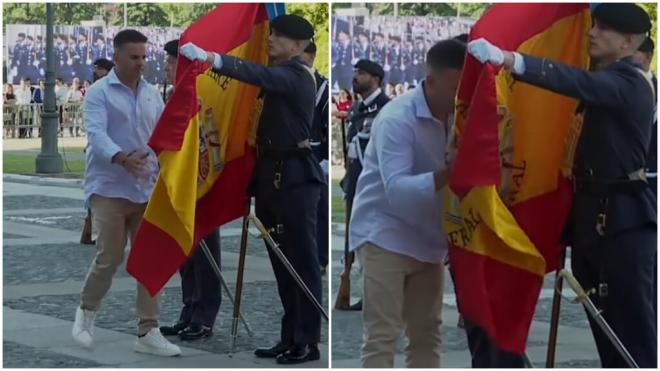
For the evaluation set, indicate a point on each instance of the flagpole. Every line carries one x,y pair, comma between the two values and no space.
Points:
216,269
239,274
554,319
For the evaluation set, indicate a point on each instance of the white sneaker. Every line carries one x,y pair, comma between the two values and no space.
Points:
83,327
155,343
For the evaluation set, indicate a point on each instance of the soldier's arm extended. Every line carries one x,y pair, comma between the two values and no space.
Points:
282,78
606,87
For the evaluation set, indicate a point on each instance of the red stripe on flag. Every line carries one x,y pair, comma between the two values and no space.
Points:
544,228
497,297
478,160
154,242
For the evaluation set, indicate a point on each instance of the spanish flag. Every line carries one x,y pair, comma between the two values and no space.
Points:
205,145
509,195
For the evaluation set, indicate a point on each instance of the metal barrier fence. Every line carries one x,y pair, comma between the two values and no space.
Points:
24,120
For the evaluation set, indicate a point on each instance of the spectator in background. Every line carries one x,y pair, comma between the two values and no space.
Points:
101,68
9,97
389,91
399,90
344,104
61,97
75,97
24,94
85,87
38,94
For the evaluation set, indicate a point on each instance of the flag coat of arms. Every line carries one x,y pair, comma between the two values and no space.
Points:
205,144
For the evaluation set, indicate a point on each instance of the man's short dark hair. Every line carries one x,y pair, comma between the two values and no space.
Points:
647,46
446,54
128,36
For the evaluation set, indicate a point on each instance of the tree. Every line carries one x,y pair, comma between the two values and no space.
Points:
144,14
317,14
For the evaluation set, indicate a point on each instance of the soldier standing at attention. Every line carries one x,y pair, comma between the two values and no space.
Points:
287,177
612,226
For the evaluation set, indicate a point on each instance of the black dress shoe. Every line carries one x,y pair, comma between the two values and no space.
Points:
299,354
356,306
273,351
195,331
174,329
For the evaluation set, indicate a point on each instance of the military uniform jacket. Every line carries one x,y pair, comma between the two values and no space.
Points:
289,94
357,140
618,114
320,125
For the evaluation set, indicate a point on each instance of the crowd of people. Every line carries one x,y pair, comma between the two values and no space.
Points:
399,44
75,49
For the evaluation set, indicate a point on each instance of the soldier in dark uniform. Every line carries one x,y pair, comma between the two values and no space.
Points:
18,59
200,287
31,63
396,61
367,82
320,148
612,226
419,60
40,55
361,47
408,66
82,62
287,177
381,55
343,67
99,49
644,56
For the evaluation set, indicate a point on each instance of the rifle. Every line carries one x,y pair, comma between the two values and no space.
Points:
343,300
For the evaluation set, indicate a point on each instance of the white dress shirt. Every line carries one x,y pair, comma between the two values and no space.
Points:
23,95
396,206
117,120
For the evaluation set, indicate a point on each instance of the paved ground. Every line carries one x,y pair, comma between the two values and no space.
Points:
44,266
575,346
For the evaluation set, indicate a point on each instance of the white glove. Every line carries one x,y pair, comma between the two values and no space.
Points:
193,52
484,52
324,167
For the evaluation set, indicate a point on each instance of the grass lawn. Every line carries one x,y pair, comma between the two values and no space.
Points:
338,206
25,164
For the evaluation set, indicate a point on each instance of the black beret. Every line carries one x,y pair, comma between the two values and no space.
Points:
647,46
623,17
172,48
370,67
311,48
293,26
104,63
462,38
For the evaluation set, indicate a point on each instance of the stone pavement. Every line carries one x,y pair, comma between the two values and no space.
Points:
575,346
44,266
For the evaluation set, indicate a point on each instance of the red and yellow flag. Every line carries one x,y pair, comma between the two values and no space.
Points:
205,145
508,197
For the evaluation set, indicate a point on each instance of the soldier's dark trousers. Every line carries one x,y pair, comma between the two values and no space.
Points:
295,210
484,352
628,265
200,285
322,227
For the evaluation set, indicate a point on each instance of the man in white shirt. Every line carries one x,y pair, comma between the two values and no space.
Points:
395,225
121,112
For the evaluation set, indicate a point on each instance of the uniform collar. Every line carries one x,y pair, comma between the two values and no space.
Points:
370,99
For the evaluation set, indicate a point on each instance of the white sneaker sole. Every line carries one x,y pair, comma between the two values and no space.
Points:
81,342
141,348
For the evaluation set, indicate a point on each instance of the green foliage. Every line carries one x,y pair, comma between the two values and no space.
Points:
423,9
159,14
317,14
